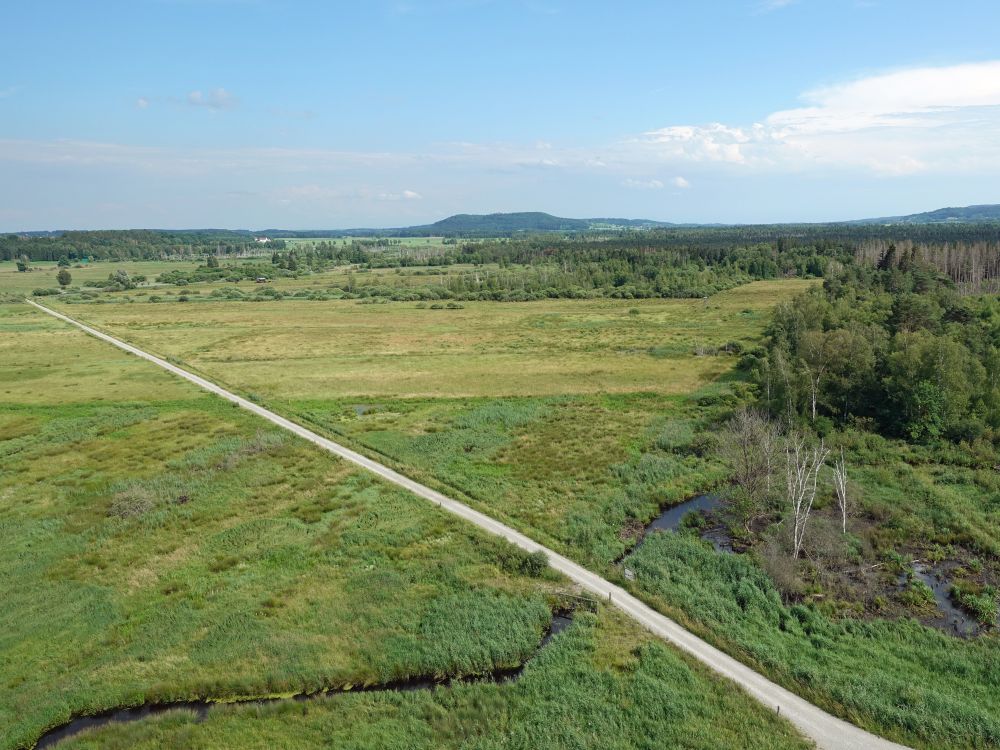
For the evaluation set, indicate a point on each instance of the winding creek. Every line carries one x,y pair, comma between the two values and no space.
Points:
201,708
670,519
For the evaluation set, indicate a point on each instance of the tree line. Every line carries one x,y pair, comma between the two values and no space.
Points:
130,244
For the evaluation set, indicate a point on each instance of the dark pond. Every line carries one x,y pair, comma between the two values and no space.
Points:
720,538
670,520
560,621
954,619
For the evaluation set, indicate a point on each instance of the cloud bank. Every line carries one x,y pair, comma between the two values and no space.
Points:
915,120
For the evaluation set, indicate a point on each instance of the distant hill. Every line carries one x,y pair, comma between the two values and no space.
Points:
525,221
482,225
963,215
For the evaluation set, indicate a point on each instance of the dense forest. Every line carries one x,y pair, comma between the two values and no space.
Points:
893,344
144,244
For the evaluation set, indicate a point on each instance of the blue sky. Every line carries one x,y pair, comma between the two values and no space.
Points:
300,114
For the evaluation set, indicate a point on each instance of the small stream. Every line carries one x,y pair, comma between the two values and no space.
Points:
201,708
670,520
953,619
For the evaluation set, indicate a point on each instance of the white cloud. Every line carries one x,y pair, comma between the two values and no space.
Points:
680,182
9,91
214,99
906,98
714,142
142,102
919,119
406,195
643,184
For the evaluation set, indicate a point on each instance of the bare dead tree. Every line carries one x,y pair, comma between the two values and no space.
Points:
973,266
749,445
802,466
840,485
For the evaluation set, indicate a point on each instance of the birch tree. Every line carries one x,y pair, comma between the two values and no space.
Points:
802,466
840,486
749,445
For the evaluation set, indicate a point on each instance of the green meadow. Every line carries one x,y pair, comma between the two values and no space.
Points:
158,544
575,421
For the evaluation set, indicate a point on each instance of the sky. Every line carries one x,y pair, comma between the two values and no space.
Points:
307,114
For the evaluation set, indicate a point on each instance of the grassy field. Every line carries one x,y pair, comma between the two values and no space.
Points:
158,544
596,686
43,275
292,349
540,412
575,421
16,284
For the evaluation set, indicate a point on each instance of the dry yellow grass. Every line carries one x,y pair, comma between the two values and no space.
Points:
303,349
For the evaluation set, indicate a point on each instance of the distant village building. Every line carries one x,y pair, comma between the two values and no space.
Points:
262,240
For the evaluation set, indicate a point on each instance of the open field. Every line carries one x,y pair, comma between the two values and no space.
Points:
159,545
43,275
293,349
421,387
574,421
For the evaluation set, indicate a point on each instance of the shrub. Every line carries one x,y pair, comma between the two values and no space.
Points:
515,560
676,435
823,426
535,564
734,347
131,502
